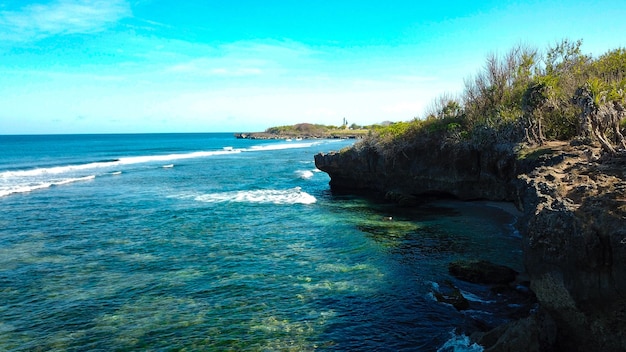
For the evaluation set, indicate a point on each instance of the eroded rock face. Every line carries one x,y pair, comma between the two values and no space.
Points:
575,247
465,173
573,227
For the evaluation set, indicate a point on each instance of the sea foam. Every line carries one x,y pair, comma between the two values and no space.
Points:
23,181
460,343
304,174
258,148
57,170
287,196
5,191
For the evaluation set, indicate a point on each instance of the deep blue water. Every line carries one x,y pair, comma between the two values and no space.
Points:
173,242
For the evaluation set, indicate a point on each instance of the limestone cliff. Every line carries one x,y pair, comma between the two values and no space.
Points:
575,245
573,227
465,173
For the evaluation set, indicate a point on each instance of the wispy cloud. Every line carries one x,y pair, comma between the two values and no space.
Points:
60,17
217,67
246,58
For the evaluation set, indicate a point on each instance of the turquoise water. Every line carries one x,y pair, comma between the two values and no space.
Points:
206,242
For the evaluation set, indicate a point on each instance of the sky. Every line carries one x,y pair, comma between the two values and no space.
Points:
154,66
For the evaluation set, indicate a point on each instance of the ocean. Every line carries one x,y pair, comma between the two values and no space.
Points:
186,242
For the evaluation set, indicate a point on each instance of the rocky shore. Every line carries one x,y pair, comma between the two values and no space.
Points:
293,136
573,222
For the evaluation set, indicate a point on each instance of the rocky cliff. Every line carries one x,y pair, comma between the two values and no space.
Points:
573,227
465,173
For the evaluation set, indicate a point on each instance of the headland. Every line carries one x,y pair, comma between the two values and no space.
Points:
308,131
544,134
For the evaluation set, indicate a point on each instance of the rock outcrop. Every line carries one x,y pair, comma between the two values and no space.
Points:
482,272
464,173
573,225
574,228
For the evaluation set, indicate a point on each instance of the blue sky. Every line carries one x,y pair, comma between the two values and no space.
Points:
127,66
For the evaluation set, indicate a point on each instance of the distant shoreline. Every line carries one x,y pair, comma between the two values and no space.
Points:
294,136
308,131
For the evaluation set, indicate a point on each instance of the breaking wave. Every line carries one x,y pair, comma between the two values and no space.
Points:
287,196
281,146
304,174
26,180
5,191
23,181
57,170
460,343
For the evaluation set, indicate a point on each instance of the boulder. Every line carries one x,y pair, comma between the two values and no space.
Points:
482,272
450,294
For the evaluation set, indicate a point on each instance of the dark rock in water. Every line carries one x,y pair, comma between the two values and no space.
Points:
482,272
452,295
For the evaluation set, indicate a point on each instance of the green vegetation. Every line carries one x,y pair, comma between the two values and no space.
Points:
524,96
301,128
308,130
315,130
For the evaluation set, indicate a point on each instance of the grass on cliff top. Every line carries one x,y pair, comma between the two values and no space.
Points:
534,154
399,136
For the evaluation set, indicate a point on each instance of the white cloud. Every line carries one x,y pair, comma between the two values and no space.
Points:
60,17
244,58
217,67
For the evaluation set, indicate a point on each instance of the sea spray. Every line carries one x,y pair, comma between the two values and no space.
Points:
273,196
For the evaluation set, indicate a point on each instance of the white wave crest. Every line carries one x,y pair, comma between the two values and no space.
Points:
473,298
304,174
288,196
458,343
57,170
171,157
280,146
5,191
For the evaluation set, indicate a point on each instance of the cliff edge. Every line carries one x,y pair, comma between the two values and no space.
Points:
573,226
462,172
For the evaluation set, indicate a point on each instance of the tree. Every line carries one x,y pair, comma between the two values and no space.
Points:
445,106
611,66
599,114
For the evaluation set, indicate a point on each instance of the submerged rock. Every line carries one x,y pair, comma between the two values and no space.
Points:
482,272
452,295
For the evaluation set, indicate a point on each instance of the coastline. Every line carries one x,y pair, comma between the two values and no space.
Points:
571,221
287,136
